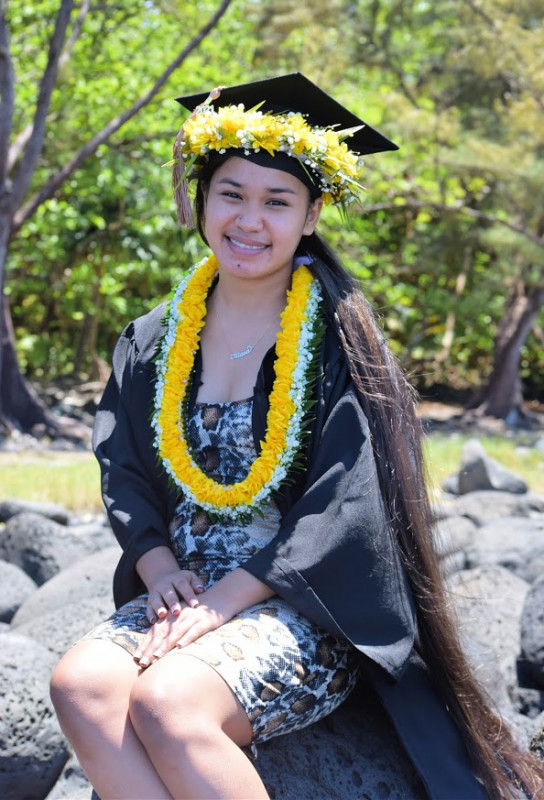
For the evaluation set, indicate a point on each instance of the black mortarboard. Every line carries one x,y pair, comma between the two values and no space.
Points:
294,92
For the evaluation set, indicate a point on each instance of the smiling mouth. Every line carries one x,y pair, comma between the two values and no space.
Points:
244,246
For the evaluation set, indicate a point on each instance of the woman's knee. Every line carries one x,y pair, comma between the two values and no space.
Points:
153,698
71,678
180,697
86,679
171,697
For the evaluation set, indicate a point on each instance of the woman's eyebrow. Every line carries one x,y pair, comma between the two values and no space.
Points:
270,189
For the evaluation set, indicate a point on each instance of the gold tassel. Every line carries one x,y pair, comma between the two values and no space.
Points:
181,190
179,183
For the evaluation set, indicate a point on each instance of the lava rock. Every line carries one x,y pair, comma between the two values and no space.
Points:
514,543
15,588
33,750
11,507
480,471
532,632
42,548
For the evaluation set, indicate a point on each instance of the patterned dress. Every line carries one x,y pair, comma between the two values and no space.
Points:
286,672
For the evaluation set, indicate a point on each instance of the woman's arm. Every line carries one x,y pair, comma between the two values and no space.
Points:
135,489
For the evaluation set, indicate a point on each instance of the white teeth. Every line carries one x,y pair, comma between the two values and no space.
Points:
247,246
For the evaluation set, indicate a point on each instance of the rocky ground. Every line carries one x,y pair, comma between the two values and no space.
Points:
55,583
73,404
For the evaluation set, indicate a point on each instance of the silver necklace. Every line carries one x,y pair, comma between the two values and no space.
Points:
250,347
236,354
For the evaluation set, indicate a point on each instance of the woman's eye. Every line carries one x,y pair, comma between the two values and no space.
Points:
276,202
231,195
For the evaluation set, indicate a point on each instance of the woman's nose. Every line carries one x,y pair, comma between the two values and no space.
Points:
249,220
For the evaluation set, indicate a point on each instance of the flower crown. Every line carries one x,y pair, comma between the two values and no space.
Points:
321,151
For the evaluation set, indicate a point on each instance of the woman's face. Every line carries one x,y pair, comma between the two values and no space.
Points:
254,218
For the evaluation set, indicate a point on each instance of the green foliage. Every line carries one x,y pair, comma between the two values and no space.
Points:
458,85
107,247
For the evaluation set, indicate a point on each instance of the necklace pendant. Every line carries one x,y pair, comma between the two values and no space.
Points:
241,353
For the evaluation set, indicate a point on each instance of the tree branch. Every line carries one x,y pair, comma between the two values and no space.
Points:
35,142
47,191
457,209
74,36
479,12
7,94
17,146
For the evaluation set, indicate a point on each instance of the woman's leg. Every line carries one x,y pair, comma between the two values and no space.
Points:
192,727
90,689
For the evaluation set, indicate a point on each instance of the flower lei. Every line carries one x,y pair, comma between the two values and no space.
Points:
295,347
321,150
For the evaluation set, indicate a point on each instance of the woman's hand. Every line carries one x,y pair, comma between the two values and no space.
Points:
180,629
166,583
167,591
222,601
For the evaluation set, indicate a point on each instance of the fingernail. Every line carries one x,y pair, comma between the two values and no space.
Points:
194,603
152,620
137,655
144,661
200,586
176,608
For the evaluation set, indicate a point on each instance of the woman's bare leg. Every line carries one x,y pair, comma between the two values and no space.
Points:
192,726
171,731
90,688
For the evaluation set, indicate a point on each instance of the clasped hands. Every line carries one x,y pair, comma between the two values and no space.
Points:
180,610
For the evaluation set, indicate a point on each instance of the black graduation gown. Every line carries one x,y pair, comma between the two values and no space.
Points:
333,558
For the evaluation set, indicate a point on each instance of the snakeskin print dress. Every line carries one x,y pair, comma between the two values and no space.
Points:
285,671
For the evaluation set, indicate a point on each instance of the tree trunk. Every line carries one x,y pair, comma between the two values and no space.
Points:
20,406
501,396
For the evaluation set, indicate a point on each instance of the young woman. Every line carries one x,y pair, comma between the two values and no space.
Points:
262,472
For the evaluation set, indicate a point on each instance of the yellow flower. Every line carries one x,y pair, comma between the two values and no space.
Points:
233,127
169,418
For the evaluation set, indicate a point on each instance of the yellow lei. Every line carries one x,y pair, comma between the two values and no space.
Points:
294,350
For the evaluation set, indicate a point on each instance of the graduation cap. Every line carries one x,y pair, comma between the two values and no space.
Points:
295,92
285,123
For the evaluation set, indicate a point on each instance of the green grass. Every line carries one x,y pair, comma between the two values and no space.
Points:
72,479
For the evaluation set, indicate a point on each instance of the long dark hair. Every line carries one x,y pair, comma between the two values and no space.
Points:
389,404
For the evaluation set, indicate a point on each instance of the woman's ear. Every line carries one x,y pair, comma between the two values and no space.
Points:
312,217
